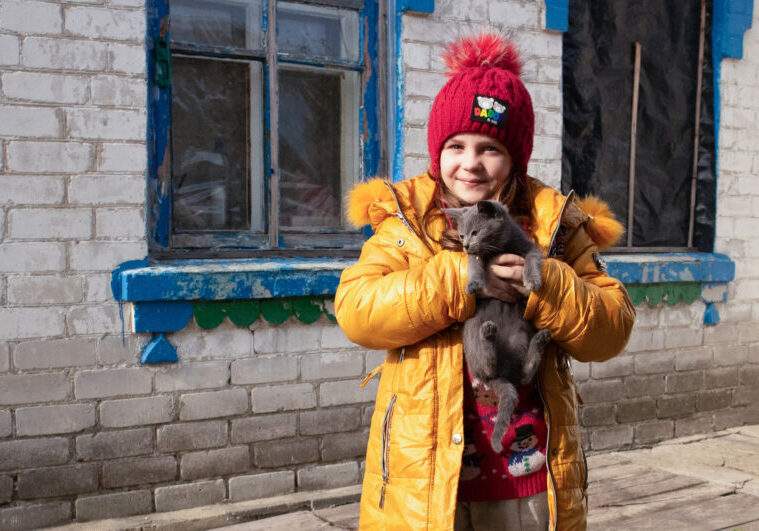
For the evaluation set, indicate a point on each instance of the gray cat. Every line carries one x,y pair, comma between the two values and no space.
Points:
502,350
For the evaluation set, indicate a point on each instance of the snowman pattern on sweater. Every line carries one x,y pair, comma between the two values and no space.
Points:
525,458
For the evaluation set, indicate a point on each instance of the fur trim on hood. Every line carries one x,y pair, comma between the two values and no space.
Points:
361,198
602,227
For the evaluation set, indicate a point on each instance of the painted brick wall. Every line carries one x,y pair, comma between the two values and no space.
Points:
86,432
72,206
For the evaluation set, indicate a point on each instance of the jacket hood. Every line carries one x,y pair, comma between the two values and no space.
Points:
370,196
373,201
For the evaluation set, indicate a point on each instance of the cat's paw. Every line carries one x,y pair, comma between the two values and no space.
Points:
488,329
473,286
532,277
542,337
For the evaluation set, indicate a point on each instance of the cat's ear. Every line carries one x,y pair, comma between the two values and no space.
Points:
455,213
491,209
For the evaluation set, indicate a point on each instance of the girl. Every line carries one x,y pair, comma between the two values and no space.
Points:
429,464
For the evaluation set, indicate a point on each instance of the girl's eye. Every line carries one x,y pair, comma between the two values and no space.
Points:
491,148
455,146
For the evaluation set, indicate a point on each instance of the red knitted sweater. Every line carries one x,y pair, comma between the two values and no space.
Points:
519,470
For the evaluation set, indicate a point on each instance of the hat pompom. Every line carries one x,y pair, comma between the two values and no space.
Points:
483,50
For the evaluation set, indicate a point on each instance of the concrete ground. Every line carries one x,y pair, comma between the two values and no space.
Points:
706,482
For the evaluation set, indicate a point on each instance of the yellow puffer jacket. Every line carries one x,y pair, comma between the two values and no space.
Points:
406,295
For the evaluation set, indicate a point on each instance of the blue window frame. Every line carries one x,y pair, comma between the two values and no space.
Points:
254,135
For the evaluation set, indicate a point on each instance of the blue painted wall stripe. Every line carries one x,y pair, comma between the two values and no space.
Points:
420,6
557,15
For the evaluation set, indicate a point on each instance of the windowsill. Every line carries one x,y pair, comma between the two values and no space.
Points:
217,280
164,298
220,280
670,267
675,278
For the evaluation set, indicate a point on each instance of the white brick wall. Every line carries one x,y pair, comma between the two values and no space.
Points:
72,207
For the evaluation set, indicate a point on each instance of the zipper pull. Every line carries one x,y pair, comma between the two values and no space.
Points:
372,374
403,219
382,495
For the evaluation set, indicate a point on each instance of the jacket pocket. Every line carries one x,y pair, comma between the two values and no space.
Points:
387,423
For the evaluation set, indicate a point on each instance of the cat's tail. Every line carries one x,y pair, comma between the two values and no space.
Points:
602,227
507,401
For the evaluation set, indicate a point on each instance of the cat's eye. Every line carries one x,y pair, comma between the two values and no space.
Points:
474,233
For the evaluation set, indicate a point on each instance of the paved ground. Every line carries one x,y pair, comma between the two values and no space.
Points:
708,482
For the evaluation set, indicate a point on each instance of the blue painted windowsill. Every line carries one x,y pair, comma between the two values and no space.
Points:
216,280
296,277
670,267
163,295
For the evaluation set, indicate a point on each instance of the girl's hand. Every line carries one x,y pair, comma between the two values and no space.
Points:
503,278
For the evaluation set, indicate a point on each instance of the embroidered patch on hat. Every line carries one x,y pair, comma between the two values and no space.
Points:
489,110
600,262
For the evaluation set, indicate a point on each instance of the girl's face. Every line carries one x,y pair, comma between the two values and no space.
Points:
474,166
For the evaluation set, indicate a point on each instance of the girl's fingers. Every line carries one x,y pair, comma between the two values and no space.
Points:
515,272
507,259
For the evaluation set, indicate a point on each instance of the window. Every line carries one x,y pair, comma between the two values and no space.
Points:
656,167
256,135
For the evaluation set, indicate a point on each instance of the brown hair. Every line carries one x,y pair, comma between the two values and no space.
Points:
513,195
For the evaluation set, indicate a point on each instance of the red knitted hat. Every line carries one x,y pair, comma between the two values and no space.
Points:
483,95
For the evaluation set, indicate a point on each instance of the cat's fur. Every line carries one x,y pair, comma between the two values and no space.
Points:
502,350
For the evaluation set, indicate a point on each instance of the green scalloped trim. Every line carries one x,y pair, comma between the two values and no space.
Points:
208,314
672,293
243,313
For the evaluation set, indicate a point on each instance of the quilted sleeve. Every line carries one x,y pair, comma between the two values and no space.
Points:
588,312
382,302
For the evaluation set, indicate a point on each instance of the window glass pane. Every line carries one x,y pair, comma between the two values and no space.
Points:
234,23
318,142
214,126
598,66
317,31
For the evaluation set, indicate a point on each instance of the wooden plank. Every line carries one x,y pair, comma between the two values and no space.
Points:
640,489
344,516
721,512
596,475
302,521
603,517
610,459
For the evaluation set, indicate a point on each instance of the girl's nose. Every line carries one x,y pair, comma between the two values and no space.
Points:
471,160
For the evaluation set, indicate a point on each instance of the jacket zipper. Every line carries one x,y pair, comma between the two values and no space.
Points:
386,424
399,214
570,195
548,450
387,421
